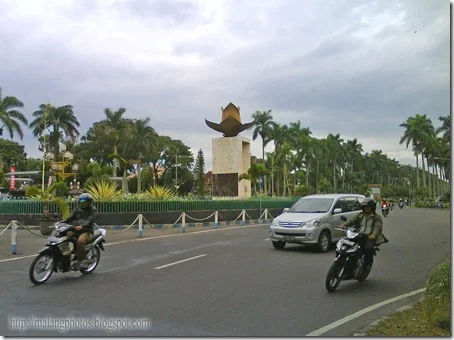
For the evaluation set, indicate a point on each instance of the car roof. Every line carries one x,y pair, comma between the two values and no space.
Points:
333,196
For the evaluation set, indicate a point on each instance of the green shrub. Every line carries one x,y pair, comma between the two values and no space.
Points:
59,189
32,191
438,294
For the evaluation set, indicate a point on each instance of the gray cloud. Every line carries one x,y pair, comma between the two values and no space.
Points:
345,67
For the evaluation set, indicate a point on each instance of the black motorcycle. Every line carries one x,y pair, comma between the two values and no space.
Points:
401,204
349,261
59,254
385,210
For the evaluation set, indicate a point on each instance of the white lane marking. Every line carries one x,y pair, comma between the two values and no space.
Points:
267,239
18,258
174,263
151,238
350,317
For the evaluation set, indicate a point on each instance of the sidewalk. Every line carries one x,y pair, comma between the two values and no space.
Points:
29,242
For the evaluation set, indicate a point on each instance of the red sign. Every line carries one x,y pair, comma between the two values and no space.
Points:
12,178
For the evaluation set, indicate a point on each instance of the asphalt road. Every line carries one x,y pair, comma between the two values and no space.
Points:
237,284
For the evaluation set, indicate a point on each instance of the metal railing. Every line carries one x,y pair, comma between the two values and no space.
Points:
33,207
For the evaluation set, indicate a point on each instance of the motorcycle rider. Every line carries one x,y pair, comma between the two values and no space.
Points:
83,219
370,223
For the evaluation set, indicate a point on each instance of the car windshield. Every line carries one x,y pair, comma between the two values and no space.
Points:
312,205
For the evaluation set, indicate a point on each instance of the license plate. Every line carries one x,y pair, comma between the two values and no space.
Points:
348,242
289,238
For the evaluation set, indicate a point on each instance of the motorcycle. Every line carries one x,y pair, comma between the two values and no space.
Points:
349,261
59,255
401,204
384,210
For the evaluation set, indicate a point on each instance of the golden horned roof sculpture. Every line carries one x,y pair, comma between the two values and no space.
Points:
230,125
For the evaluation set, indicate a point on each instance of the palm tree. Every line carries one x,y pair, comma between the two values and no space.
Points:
418,131
445,128
336,154
143,139
353,150
263,124
62,121
117,124
10,116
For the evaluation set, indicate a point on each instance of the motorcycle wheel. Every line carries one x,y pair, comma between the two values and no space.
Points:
333,278
93,258
365,273
42,263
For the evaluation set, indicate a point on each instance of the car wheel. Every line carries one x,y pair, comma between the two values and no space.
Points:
278,244
324,241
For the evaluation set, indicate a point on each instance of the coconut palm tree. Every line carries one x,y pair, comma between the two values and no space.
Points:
445,128
116,124
263,122
353,150
10,117
59,121
418,131
337,152
143,139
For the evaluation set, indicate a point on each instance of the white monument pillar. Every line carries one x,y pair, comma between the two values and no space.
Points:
231,158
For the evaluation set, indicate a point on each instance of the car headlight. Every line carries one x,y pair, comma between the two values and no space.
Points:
274,223
312,223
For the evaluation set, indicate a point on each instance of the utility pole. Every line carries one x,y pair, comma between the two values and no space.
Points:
44,148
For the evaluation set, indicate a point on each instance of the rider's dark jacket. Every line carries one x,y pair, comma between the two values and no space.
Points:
83,217
369,225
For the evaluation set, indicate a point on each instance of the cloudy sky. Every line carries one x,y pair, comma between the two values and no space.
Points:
340,66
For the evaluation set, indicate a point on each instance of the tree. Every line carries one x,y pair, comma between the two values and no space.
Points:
418,131
59,121
10,117
142,140
116,125
12,153
199,173
445,128
263,122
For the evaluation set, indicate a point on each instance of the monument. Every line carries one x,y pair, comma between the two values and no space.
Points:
231,155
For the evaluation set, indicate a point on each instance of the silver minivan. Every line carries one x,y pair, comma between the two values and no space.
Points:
312,219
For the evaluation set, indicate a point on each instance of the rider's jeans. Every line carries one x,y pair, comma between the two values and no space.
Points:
81,242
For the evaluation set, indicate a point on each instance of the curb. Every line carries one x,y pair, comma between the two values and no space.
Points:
372,325
178,225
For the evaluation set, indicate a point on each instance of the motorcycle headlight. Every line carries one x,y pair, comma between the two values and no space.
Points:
311,223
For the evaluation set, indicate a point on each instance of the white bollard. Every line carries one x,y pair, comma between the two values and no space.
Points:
216,222
244,217
140,225
266,214
183,222
13,237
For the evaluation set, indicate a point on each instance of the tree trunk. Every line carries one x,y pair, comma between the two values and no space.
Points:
139,178
316,177
114,168
334,176
284,180
418,183
429,177
434,178
343,179
264,167
423,170
124,183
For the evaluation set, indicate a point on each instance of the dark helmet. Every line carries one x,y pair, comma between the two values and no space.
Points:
369,202
84,200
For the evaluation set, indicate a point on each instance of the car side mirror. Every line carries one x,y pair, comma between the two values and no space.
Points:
337,211
344,218
285,210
